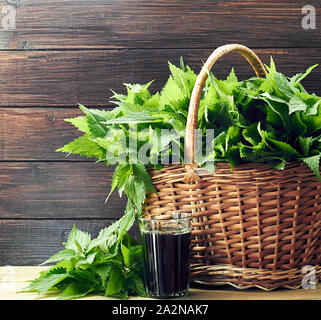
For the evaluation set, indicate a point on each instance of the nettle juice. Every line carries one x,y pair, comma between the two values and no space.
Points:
166,263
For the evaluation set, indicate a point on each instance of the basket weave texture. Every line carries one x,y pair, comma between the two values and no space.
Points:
256,226
252,226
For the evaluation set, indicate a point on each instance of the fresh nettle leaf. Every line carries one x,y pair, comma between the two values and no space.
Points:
296,103
232,78
78,240
171,94
185,80
284,86
47,281
295,80
111,236
65,254
120,178
84,146
135,118
75,290
269,82
95,120
182,64
314,163
126,255
251,134
81,123
305,144
115,284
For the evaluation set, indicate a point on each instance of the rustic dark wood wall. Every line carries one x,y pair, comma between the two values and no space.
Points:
72,51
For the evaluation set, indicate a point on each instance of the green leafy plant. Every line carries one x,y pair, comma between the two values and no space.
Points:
273,120
109,265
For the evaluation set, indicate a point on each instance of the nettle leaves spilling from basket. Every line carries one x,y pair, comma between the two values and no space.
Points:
269,119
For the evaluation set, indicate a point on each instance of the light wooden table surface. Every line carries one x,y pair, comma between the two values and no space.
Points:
13,279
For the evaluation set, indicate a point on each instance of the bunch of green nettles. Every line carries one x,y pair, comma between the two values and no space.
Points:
109,265
271,120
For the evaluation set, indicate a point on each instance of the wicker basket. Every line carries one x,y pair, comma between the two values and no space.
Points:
254,226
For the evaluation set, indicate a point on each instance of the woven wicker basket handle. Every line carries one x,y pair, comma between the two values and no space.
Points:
191,124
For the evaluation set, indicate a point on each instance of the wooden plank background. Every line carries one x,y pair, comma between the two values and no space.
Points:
73,51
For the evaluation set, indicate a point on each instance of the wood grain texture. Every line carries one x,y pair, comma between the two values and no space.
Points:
158,24
31,242
57,190
66,78
72,51
35,133
15,278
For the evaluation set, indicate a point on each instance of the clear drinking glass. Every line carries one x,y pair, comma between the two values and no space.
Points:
166,243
